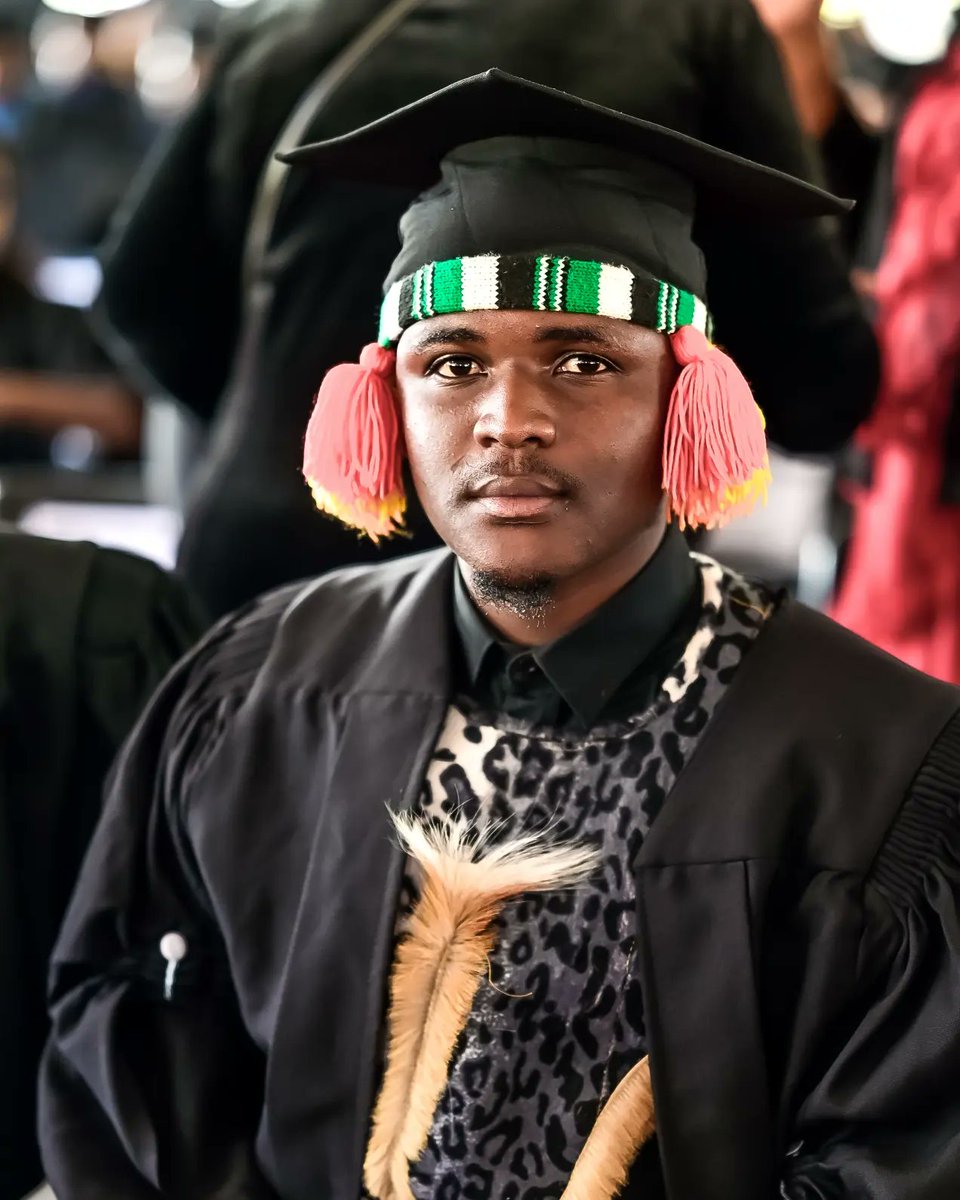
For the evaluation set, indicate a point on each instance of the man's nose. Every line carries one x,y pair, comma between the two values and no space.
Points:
515,413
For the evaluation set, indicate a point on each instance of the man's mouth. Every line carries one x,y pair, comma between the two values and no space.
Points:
516,497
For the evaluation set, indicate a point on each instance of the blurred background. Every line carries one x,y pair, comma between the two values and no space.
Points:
86,90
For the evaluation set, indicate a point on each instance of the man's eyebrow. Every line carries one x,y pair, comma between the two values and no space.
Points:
443,337
572,333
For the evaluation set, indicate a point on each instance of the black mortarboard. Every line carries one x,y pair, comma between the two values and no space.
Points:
521,171
407,146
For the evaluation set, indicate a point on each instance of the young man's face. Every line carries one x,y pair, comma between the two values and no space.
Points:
535,438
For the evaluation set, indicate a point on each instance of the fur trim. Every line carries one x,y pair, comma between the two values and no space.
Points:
467,877
625,1122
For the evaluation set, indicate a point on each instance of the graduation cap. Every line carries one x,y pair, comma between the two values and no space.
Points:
539,200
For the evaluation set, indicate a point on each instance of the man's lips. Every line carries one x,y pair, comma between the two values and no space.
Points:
516,497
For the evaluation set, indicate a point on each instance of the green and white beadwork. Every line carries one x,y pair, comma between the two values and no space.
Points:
540,283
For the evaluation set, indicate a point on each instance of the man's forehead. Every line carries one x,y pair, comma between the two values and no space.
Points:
536,327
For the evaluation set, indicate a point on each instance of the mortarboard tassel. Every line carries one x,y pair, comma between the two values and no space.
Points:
352,455
715,463
439,965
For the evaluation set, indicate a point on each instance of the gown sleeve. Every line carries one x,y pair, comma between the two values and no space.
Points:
150,1084
780,293
883,1120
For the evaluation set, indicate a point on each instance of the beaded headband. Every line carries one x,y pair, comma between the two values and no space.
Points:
541,283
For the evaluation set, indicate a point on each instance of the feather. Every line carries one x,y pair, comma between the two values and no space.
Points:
467,877
625,1122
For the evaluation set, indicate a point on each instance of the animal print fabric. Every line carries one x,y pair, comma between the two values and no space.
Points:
559,1022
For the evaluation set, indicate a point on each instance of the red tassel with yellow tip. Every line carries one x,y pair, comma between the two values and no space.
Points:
715,463
353,453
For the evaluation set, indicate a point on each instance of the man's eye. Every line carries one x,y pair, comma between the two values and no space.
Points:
584,364
455,367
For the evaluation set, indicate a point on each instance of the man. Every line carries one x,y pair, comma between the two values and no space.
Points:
53,373
679,851
87,140
250,370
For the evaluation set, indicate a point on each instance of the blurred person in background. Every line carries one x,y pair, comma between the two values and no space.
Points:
799,36
82,144
900,583
845,114
204,34
814,69
247,355
53,373
86,635
16,73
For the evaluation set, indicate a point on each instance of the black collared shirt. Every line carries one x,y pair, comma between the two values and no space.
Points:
608,668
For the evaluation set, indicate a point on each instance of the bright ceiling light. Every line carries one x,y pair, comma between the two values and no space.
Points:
841,14
844,14
914,33
166,74
61,52
92,8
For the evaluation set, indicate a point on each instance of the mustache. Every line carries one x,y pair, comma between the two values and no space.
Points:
509,466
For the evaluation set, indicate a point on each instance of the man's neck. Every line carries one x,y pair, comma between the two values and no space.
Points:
572,600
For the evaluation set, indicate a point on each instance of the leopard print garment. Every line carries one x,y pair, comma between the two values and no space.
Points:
560,1021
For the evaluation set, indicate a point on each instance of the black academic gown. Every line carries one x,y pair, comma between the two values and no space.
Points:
797,898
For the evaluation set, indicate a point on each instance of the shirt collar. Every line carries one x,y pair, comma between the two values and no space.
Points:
588,664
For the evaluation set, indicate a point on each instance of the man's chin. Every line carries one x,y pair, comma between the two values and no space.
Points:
524,593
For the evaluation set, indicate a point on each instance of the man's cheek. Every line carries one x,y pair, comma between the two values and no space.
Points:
436,446
415,432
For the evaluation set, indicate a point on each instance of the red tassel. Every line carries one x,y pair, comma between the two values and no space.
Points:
352,455
715,463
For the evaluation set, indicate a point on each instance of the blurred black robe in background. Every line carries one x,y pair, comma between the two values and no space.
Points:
86,635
